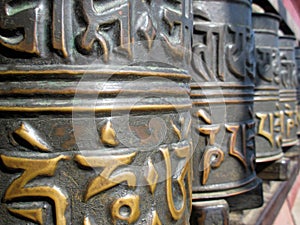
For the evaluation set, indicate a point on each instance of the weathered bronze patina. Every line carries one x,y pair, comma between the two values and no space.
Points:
266,95
94,127
222,92
210,212
288,98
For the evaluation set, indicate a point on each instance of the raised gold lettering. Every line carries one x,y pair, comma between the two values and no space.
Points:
183,152
233,129
105,180
126,209
268,135
32,169
213,157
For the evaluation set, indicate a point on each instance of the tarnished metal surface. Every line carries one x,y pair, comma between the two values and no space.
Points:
95,129
210,212
222,92
288,98
266,95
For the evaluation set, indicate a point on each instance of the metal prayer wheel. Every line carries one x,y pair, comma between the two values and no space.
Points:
297,56
287,94
95,126
222,93
266,95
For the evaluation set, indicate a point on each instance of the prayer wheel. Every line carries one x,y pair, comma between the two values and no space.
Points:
266,95
222,93
95,123
287,93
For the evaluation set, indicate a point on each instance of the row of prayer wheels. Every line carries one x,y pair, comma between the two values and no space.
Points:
141,112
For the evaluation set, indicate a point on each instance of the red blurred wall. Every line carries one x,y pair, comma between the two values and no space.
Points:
293,6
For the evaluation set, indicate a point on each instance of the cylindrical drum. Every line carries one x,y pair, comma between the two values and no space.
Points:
95,123
287,93
266,95
222,93
297,56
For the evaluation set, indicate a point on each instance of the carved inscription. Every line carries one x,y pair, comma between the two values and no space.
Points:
266,133
236,56
114,171
183,153
220,50
264,64
288,72
19,26
107,27
285,121
213,155
131,203
234,129
116,17
209,48
155,219
106,180
290,121
176,22
267,64
276,65
21,30
33,168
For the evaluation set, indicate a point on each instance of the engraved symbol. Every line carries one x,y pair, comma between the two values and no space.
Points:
233,129
155,219
23,20
276,65
110,176
263,64
126,209
200,13
27,133
211,131
266,134
35,215
182,132
213,157
33,168
60,24
110,17
88,221
290,123
209,48
174,37
204,115
146,28
151,176
108,135
235,51
184,152
176,130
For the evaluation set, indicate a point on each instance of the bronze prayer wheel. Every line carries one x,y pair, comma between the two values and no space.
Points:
287,94
297,56
222,93
266,95
95,125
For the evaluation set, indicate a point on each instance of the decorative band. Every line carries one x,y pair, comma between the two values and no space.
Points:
226,190
98,71
269,158
96,109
